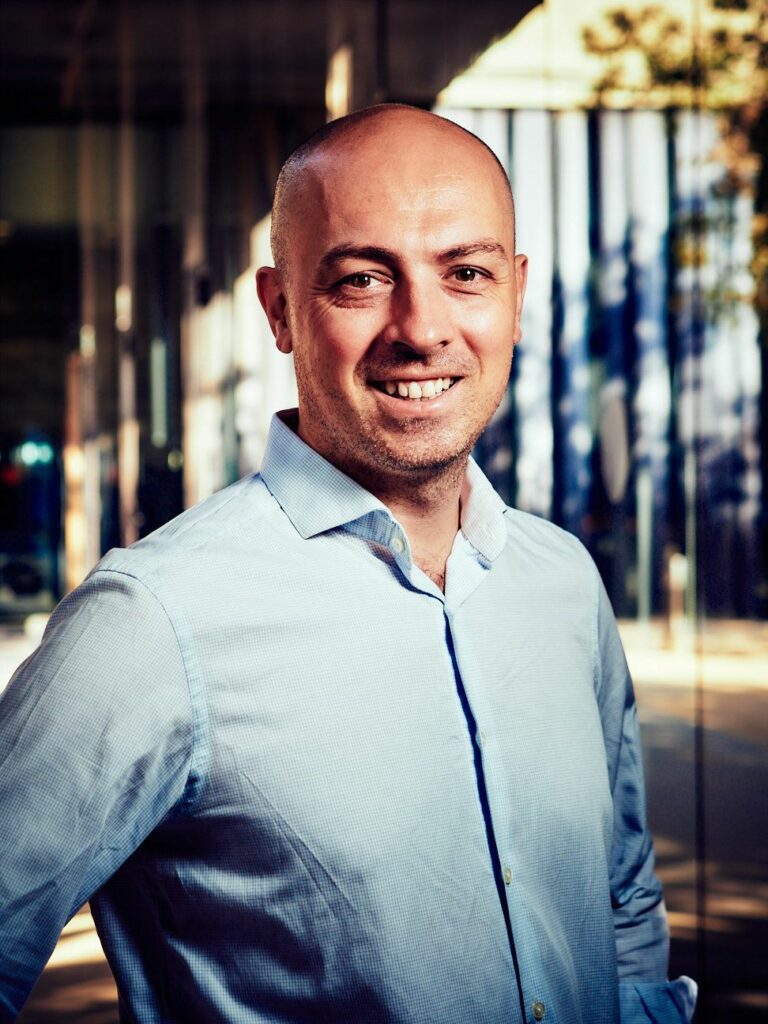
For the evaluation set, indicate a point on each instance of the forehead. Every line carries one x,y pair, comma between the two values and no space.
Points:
401,182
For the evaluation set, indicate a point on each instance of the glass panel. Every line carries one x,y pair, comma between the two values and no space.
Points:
640,411
139,152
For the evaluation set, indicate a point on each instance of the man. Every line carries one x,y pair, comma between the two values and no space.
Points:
351,741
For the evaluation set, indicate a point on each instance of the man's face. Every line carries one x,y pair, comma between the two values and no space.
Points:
402,299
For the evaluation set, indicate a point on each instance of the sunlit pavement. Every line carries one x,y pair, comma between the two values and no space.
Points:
76,986
16,642
728,665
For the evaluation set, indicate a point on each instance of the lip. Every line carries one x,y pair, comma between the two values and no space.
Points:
415,377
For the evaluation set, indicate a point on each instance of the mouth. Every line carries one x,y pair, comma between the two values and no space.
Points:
415,390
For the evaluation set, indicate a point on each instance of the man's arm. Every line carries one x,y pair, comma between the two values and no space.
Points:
95,745
640,920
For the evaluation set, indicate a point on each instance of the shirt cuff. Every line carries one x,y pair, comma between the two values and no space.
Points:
671,1002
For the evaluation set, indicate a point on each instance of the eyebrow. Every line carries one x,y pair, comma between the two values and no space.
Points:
377,254
372,253
483,247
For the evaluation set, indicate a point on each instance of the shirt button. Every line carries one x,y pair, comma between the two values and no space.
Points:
507,873
538,1010
398,545
481,739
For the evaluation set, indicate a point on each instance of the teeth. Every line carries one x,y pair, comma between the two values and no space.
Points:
417,389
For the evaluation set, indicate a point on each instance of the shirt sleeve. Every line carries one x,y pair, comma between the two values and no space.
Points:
95,748
640,919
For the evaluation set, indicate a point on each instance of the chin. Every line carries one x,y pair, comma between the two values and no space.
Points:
418,460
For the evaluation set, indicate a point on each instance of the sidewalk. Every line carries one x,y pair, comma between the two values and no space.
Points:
721,939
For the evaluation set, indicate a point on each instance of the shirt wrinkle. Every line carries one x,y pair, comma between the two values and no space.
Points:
198,757
308,857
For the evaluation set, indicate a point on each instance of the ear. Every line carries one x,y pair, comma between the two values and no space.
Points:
521,278
269,288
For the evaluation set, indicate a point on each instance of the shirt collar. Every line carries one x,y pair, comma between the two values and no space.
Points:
482,514
313,493
316,496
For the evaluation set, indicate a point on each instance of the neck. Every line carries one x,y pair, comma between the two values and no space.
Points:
429,510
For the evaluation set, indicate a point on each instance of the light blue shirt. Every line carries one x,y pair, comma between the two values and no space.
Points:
299,783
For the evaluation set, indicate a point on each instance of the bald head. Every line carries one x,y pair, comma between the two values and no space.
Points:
339,139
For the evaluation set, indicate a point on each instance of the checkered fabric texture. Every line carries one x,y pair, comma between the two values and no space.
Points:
299,783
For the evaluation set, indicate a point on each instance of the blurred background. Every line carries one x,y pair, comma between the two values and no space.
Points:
139,144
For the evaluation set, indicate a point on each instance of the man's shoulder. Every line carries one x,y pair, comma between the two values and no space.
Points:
546,542
539,530
225,520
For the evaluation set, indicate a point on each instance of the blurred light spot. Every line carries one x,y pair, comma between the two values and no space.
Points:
87,340
338,85
34,626
32,454
123,308
158,372
580,438
74,464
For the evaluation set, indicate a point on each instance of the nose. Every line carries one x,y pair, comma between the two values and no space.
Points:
420,318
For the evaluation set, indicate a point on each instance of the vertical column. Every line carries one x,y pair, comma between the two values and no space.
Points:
744,414
493,127
690,333
338,82
84,503
573,437
358,57
194,249
532,185
128,424
613,271
75,535
649,208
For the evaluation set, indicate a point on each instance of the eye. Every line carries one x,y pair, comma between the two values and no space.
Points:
468,275
360,282
364,285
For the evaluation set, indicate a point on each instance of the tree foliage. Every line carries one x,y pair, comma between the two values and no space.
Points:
718,61
719,58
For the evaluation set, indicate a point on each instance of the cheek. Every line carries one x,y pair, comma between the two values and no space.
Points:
340,339
491,333
491,316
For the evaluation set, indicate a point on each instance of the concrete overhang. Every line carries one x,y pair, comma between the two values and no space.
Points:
60,59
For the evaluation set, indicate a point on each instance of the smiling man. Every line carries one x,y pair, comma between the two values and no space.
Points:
352,741
403,273
398,289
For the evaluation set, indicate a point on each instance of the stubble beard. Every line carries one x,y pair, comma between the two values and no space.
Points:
385,462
